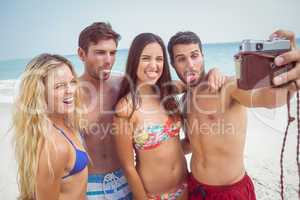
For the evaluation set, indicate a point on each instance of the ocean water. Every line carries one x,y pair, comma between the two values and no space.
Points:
216,55
220,55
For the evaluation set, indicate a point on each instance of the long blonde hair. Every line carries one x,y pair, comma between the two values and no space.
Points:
30,121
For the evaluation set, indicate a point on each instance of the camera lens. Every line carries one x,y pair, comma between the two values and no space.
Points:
259,46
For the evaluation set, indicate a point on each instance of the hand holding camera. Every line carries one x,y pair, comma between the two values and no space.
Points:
274,62
255,62
291,56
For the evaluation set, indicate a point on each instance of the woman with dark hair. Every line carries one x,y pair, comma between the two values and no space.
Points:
148,122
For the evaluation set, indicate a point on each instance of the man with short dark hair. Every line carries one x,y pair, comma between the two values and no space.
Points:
97,49
216,124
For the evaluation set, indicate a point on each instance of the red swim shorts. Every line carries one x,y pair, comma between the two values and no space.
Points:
242,190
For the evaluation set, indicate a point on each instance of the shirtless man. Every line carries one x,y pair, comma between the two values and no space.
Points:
216,123
97,49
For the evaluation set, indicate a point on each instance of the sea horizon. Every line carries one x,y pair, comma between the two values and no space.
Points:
218,55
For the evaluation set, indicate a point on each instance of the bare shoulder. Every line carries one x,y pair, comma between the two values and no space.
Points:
124,107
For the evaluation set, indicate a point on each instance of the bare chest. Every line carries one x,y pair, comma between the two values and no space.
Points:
100,112
210,118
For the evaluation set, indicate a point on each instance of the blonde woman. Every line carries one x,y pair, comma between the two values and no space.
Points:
52,163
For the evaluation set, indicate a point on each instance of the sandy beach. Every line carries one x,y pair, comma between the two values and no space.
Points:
8,183
262,154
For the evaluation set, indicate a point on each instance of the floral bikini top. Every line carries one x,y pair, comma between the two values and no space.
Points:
153,135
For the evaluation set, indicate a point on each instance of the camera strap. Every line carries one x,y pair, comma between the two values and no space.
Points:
290,120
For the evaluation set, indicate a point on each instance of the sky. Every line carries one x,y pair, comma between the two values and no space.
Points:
31,27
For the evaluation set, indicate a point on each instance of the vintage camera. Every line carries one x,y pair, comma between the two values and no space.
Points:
255,67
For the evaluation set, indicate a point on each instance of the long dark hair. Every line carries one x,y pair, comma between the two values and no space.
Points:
129,84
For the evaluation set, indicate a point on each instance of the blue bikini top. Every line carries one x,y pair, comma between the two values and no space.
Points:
81,159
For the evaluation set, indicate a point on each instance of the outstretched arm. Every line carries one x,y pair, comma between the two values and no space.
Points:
263,97
274,97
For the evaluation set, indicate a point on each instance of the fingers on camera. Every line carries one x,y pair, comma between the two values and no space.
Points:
288,57
280,33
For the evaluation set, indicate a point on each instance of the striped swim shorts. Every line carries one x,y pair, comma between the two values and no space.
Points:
109,186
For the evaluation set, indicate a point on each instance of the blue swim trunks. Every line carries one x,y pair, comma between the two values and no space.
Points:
109,186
